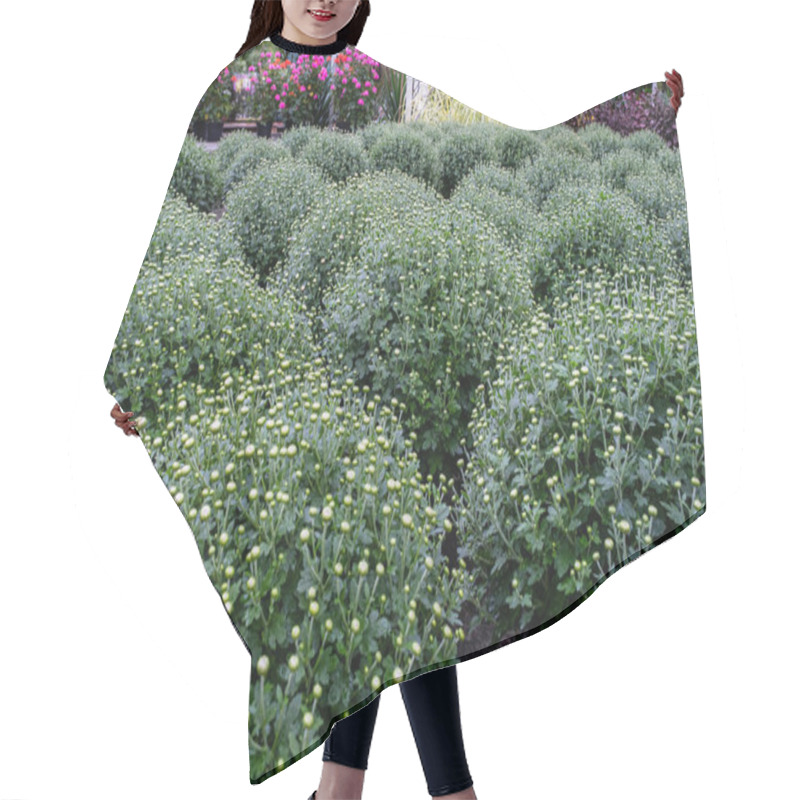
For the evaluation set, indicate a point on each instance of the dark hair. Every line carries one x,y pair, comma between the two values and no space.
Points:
266,18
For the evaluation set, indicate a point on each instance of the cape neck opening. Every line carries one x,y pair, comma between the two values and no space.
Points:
311,49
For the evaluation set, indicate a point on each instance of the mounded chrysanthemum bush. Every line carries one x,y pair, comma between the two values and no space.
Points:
588,447
262,209
421,315
193,320
182,230
258,153
394,146
337,155
321,537
196,176
320,248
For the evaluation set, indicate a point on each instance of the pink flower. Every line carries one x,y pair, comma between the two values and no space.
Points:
281,105
360,102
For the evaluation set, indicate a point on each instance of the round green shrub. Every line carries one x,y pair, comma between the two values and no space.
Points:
457,153
587,448
482,191
600,139
194,320
264,207
563,139
617,167
258,152
230,146
309,512
338,156
490,176
646,142
371,132
196,176
297,138
182,230
597,229
331,237
515,147
554,168
658,194
409,151
421,315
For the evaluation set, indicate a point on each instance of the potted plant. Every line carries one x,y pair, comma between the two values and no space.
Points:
217,105
354,89
265,92
305,94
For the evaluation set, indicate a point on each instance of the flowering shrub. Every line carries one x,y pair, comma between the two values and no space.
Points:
340,379
230,146
515,147
259,152
354,87
392,145
328,240
294,91
297,138
600,140
196,176
421,315
588,448
182,230
554,167
593,228
218,102
260,210
336,155
458,153
305,499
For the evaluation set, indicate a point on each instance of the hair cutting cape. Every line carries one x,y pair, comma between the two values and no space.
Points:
418,381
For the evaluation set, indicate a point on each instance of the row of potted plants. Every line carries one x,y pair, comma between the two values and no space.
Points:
316,90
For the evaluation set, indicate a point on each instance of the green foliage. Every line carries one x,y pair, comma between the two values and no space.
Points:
515,147
196,176
421,316
600,140
336,155
230,146
297,138
318,534
182,230
646,142
330,238
194,321
395,146
617,167
491,335
263,207
588,447
457,153
551,169
259,152
589,227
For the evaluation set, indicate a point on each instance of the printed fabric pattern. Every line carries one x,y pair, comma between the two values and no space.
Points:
419,381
